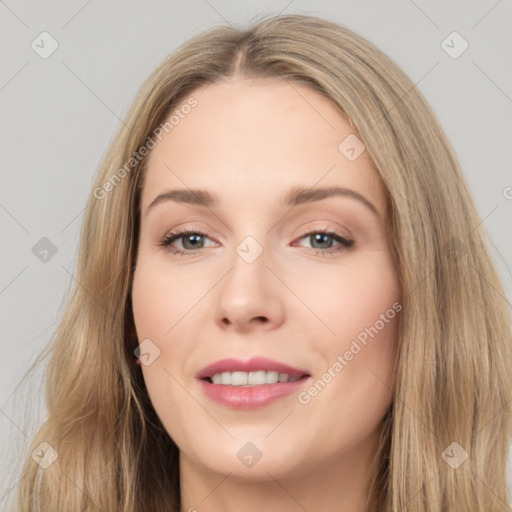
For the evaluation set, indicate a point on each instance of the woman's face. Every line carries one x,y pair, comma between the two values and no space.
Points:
274,266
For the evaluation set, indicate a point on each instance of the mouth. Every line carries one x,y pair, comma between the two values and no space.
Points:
250,384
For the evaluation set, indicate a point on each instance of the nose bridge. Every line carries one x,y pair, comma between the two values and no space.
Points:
248,265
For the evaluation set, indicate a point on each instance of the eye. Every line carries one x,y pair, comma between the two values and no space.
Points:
191,241
322,240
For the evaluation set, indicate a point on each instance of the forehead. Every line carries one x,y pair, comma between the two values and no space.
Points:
253,139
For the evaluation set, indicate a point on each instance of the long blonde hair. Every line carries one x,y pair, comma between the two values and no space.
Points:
453,379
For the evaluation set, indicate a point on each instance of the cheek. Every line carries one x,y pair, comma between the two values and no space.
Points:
362,312
165,304
352,298
160,298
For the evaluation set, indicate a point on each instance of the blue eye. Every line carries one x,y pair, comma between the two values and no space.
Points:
195,241
320,237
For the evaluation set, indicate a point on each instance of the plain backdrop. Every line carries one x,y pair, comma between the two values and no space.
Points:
59,112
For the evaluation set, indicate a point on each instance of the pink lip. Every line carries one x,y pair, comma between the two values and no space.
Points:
250,397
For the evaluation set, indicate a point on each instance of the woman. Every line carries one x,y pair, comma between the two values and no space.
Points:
212,357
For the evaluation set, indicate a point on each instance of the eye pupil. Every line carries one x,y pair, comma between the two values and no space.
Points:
317,237
190,238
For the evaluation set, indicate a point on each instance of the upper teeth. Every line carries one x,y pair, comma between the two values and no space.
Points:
257,378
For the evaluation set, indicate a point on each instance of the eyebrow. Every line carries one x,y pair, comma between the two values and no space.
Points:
296,196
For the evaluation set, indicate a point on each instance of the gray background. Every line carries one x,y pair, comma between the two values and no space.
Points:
58,115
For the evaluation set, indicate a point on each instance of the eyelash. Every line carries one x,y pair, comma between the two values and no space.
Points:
345,243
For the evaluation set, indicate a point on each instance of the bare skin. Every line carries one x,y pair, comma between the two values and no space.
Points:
301,301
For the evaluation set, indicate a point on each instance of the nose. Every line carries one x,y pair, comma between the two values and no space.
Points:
250,297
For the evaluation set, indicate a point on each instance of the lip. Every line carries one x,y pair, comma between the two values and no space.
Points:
250,397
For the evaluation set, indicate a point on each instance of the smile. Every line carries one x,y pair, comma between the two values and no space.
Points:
256,378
